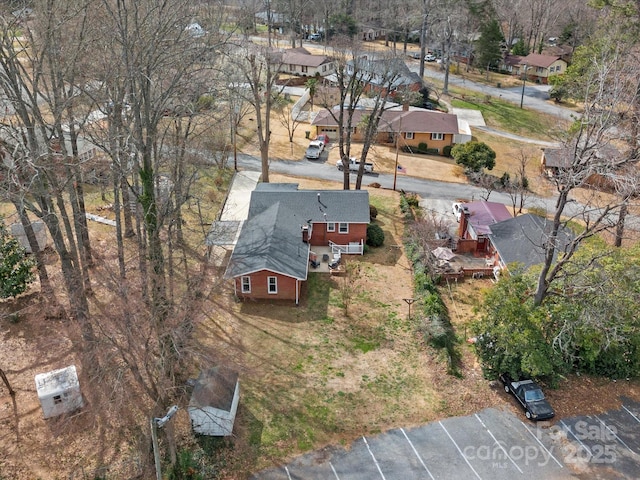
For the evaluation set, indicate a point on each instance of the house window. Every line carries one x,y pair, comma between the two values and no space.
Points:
343,228
305,69
57,399
246,284
331,227
272,284
437,136
409,135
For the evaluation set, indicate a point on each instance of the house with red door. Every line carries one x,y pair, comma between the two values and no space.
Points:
270,260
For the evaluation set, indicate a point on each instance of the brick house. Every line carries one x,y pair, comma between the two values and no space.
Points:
475,225
404,128
271,256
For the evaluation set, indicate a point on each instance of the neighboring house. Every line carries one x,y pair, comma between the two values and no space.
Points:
298,61
370,34
404,128
386,74
556,161
273,19
522,240
511,64
214,402
271,256
537,67
476,223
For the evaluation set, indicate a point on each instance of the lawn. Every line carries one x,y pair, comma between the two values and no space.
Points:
344,363
507,116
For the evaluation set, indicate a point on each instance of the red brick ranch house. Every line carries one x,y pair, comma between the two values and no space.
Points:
271,257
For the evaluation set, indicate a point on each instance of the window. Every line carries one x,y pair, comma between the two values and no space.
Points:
343,228
57,399
409,135
305,69
331,227
246,284
437,136
272,284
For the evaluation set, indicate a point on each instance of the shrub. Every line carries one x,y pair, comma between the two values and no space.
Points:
446,151
373,212
422,147
375,235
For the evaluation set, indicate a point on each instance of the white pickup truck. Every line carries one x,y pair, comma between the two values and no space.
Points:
354,165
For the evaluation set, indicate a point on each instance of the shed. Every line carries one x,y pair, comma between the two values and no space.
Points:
214,402
59,391
17,230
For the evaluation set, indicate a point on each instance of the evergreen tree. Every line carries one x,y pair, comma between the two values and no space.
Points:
488,48
16,268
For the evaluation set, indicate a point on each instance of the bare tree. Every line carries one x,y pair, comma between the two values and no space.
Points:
610,87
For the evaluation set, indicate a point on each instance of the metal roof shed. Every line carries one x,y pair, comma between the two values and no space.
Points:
59,391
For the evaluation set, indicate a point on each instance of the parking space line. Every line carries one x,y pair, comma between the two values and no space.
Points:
334,471
631,413
498,443
288,474
541,444
416,452
459,451
374,458
614,434
568,429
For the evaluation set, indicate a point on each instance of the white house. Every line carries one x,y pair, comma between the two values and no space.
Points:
214,402
59,391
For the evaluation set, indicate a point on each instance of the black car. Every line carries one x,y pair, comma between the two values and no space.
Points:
530,396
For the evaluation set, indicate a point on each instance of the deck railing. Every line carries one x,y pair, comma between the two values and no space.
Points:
352,248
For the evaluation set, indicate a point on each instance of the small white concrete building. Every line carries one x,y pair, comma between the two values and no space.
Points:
17,230
59,391
214,402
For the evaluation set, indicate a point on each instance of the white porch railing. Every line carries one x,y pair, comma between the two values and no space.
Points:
352,248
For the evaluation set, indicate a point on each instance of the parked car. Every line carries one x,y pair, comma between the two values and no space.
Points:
354,165
315,37
323,137
530,397
459,209
314,150
430,57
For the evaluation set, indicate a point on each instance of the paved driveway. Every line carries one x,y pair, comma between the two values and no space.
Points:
492,444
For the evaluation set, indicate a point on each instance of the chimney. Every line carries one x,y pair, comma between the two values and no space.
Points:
464,220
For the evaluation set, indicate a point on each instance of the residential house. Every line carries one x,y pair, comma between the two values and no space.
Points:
511,64
298,61
403,128
271,257
522,240
558,162
475,225
538,67
384,74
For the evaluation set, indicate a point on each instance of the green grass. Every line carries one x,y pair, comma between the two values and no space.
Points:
507,116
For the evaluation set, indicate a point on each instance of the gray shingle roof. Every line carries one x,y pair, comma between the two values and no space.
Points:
271,239
319,206
522,239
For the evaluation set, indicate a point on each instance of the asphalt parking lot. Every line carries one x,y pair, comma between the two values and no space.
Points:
491,444
606,445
